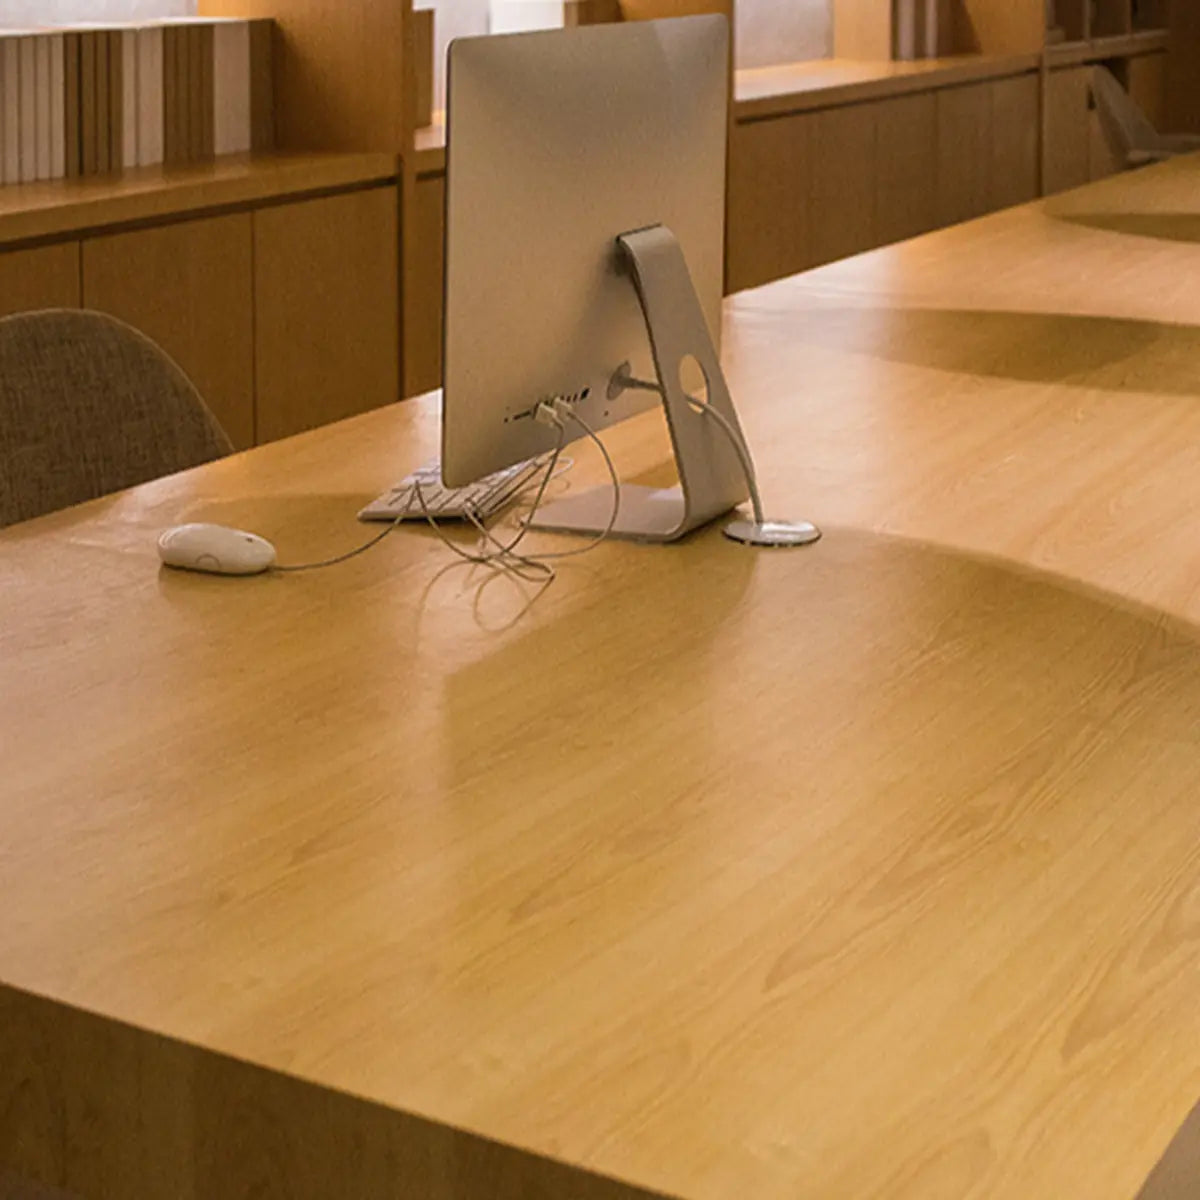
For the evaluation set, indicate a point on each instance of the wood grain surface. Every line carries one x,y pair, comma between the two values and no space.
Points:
867,871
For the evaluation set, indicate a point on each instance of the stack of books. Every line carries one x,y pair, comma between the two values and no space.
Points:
92,99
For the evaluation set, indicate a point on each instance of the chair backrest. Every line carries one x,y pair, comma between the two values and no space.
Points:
1123,121
89,406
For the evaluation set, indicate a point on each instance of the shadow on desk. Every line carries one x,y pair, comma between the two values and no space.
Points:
1104,353
1163,227
1177,1176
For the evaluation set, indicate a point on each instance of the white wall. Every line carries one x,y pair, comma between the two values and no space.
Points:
452,19
777,31
21,14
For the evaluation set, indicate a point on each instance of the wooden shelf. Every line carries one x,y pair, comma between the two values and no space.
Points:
63,208
826,83
1125,45
429,147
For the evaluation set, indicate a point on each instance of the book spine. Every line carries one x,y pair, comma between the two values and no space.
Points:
87,102
905,17
103,104
3,123
129,97
171,81
116,102
204,91
191,107
231,88
42,106
933,33
12,109
150,96
58,106
262,101
28,109
184,95
90,99
73,131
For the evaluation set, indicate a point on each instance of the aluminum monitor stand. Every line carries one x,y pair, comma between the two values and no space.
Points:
712,478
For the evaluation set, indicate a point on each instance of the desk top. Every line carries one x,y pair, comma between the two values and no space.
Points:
871,870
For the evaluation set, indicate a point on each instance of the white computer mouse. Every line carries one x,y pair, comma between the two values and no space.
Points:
216,549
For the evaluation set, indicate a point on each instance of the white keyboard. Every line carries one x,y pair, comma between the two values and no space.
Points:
485,498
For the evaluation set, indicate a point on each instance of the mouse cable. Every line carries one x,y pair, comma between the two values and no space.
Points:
564,464
504,556
341,558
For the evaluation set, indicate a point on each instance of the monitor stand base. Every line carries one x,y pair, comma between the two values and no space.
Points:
645,513
711,477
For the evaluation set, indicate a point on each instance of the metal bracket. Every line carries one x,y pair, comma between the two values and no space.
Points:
711,478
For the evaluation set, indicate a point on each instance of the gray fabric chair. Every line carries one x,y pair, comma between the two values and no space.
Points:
89,406
1135,138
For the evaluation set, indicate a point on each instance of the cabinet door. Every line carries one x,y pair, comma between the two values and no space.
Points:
905,199
843,182
44,278
327,309
189,287
1016,116
424,271
1067,151
770,180
965,147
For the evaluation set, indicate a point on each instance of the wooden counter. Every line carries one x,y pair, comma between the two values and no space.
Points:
825,83
1125,45
36,211
866,871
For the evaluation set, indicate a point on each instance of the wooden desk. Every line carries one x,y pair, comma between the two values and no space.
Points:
866,871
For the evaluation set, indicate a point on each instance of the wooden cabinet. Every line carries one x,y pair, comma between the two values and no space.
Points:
906,167
326,309
964,153
189,287
1016,141
771,165
285,317
810,187
1067,147
273,280
424,272
842,213
47,277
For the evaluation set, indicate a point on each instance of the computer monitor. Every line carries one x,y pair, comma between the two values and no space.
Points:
585,226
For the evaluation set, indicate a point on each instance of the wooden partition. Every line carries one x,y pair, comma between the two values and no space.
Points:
339,65
1183,66
865,29
1005,27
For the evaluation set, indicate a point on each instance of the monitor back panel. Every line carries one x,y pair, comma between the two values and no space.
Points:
558,143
